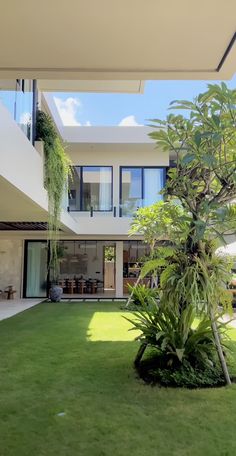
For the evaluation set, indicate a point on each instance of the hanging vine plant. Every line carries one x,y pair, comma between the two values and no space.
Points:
57,170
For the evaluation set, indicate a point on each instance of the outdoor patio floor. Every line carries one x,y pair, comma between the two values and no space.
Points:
10,307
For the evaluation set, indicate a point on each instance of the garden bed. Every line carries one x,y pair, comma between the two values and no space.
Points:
153,371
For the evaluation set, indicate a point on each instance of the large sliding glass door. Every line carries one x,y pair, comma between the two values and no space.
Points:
36,269
85,267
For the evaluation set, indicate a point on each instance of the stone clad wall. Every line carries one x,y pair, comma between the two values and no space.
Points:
11,254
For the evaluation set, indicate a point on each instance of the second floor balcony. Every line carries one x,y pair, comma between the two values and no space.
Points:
108,194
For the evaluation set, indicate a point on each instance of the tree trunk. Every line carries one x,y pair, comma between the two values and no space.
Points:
219,348
139,355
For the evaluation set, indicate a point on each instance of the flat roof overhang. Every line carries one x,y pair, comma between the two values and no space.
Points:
18,208
100,41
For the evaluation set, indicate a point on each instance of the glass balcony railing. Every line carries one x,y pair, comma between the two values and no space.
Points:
17,97
127,209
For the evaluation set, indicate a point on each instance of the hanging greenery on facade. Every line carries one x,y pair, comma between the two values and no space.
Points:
57,169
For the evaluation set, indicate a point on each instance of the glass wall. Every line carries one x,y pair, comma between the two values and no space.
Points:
140,186
87,267
36,269
91,187
17,96
133,255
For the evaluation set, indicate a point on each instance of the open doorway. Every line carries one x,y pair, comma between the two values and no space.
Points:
109,261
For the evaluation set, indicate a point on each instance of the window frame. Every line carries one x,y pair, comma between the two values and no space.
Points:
164,168
81,189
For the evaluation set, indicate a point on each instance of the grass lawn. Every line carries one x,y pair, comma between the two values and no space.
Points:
76,359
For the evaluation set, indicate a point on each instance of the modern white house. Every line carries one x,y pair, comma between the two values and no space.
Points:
109,47
115,171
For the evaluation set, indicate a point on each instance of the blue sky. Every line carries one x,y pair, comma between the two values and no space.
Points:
114,109
127,109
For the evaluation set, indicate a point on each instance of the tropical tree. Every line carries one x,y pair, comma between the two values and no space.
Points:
204,184
204,179
156,223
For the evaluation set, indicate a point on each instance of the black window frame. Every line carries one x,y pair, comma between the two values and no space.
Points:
81,189
164,168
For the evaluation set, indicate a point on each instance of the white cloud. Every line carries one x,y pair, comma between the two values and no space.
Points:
68,110
129,121
25,118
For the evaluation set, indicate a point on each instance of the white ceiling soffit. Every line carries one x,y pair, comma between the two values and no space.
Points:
108,40
112,86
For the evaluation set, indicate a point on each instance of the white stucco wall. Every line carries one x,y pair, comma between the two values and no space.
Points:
11,263
21,164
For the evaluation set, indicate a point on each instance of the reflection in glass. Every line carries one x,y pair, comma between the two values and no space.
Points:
91,188
140,187
36,277
131,190
17,96
74,189
153,184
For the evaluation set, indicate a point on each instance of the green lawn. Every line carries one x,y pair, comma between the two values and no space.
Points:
76,359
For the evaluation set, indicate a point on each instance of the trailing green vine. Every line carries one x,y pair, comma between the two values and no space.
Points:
57,169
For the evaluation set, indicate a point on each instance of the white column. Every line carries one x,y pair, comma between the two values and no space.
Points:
119,269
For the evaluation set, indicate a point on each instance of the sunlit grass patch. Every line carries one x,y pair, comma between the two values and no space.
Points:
110,326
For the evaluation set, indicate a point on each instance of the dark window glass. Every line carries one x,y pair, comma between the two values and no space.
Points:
74,189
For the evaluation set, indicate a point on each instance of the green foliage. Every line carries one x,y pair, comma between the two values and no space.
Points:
158,261
204,179
173,336
191,279
141,294
57,169
184,377
109,253
161,220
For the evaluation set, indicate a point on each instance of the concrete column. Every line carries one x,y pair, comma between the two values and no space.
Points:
119,269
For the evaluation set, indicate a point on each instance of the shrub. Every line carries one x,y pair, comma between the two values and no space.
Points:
185,376
172,335
142,295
